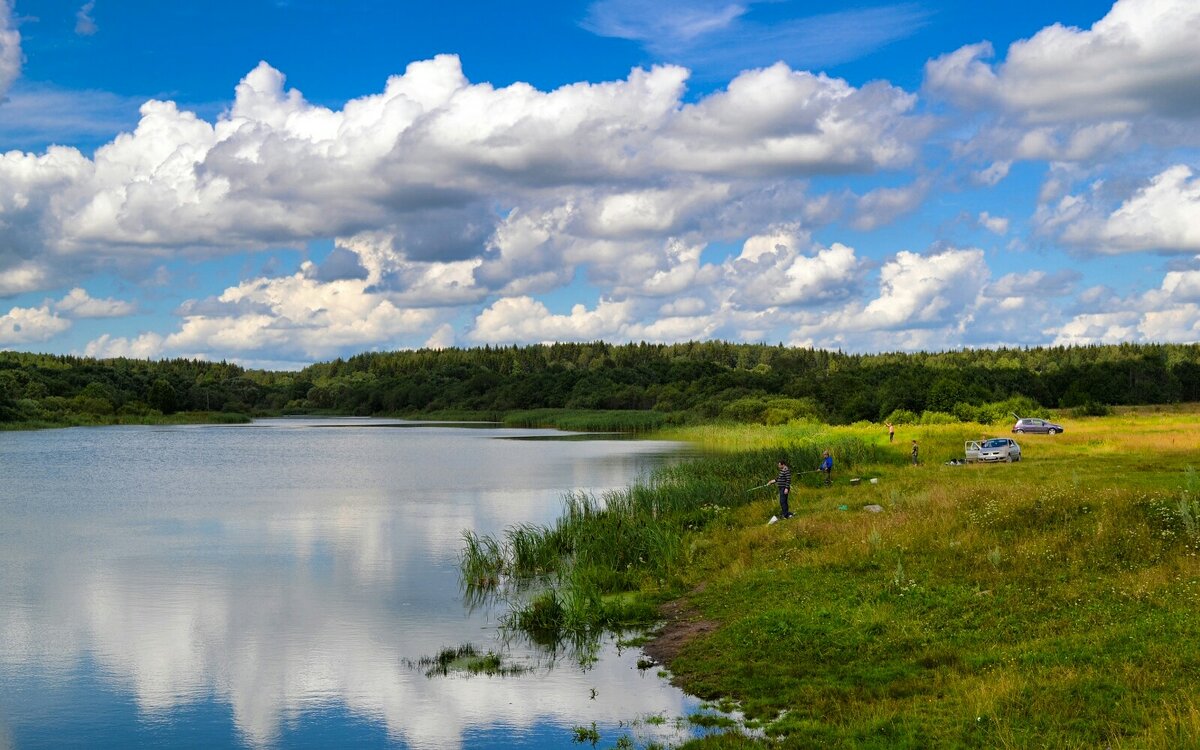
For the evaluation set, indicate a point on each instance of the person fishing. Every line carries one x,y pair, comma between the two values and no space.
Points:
784,483
826,467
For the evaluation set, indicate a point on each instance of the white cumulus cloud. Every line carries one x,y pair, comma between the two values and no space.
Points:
10,49
26,325
1170,313
994,224
524,320
430,158
783,269
442,338
777,121
1098,328
1087,96
922,299
926,289
23,276
79,304
993,173
292,318
884,205
298,315
1163,216
1182,285
146,346
1139,59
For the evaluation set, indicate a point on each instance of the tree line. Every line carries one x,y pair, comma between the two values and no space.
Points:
699,380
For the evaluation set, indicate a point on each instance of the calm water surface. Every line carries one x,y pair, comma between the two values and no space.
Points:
271,585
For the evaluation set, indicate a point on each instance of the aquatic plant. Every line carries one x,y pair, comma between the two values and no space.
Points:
629,540
482,560
467,660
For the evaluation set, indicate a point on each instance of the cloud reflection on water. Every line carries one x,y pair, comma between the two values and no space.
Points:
282,604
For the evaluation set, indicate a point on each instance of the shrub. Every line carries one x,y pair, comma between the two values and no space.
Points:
937,417
90,405
902,416
998,411
1023,406
136,409
1091,409
748,409
965,412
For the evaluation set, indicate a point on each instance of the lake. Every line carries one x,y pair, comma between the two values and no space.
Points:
274,584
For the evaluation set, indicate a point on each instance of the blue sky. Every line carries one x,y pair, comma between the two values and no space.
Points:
277,183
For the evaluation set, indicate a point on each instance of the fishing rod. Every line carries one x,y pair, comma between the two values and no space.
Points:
768,484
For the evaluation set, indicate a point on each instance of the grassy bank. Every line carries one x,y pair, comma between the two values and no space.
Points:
578,420
98,420
594,420
1047,603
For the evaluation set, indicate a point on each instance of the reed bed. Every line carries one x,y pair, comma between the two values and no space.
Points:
633,540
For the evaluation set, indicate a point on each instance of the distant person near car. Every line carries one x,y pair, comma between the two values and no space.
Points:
784,483
914,453
826,467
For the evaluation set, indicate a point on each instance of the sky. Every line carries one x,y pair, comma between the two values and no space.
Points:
279,182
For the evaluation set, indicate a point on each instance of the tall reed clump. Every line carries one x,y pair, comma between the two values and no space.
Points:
631,540
482,561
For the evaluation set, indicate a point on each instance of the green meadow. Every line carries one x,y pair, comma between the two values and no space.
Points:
1047,603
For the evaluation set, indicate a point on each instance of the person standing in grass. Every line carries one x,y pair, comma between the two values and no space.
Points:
891,432
914,453
826,467
784,483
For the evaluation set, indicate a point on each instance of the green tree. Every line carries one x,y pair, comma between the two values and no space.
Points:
162,396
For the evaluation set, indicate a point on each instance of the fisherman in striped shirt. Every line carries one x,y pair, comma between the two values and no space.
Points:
784,483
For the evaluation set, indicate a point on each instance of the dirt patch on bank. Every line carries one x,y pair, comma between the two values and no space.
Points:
683,624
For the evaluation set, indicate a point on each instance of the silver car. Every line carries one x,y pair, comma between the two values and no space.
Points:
999,449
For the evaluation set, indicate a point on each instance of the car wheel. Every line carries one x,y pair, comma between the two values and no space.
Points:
1008,459
1018,431
1051,431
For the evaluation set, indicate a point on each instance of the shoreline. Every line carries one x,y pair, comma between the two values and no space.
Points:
1007,592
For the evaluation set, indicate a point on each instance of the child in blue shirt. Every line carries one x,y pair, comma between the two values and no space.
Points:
826,467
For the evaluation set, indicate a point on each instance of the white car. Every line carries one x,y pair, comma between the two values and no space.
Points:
992,449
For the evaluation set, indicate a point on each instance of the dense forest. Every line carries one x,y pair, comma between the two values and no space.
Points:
683,382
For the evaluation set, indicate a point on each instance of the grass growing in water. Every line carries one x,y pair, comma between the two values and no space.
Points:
467,660
632,540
